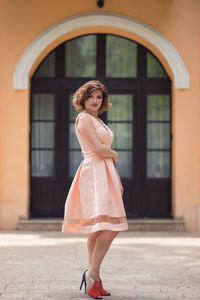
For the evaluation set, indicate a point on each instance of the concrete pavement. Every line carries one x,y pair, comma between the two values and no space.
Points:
139,265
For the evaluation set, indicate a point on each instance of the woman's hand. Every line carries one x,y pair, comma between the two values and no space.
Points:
115,157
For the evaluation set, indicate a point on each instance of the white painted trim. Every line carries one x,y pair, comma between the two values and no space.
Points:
21,73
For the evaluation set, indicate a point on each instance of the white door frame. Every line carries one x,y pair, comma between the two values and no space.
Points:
159,41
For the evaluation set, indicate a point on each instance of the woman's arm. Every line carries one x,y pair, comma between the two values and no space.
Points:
86,127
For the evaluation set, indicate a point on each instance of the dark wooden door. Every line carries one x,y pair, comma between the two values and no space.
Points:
140,119
47,184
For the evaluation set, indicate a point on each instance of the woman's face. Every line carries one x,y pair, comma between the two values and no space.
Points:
94,101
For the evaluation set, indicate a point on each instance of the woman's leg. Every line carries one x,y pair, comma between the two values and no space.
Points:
98,245
91,244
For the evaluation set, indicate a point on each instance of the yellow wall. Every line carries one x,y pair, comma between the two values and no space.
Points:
21,21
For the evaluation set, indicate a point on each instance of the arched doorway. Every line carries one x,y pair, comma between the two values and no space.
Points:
140,91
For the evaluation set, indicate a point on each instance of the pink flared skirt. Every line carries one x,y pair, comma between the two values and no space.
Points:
94,201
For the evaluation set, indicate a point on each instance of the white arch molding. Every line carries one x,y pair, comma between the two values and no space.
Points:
21,73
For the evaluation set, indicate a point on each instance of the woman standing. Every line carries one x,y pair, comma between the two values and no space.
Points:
94,204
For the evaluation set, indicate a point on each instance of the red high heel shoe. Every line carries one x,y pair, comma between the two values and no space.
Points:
102,291
94,291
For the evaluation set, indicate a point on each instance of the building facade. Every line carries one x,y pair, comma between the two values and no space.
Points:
147,54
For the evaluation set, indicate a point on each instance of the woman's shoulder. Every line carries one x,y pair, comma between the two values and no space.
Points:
84,116
83,119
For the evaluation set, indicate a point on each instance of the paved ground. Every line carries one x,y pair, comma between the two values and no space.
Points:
139,265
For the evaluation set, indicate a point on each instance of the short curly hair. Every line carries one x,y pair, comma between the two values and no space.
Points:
85,91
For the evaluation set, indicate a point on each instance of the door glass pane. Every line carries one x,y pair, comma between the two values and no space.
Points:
80,57
42,107
120,121
124,165
122,108
158,164
121,57
158,107
73,113
75,158
47,67
73,141
158,136
154,67
42,135
42,163
123,135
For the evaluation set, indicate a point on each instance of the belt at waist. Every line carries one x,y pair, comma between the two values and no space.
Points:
89,154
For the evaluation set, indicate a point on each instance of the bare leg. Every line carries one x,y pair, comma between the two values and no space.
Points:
99,245
91,244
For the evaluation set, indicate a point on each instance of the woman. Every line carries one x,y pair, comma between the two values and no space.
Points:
94,205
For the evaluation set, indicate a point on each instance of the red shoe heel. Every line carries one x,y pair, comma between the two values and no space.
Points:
94,291
102,291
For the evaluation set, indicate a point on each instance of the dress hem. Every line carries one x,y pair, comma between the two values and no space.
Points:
71,229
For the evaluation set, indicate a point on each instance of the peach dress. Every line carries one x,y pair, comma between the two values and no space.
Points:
94,201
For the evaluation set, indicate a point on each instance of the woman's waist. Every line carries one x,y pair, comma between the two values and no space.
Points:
90,154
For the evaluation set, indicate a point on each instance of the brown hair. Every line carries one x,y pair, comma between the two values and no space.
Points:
85,91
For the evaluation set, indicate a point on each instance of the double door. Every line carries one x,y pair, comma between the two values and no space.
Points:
140,119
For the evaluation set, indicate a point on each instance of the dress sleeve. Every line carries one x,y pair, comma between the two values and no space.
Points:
86,127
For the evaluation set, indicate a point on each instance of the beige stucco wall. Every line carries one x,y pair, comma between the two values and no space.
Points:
21,21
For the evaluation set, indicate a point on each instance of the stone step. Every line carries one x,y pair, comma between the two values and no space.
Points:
133,224
156,224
